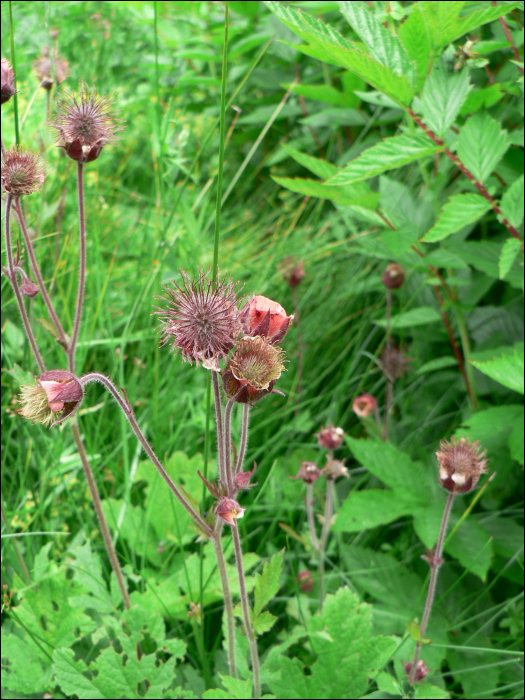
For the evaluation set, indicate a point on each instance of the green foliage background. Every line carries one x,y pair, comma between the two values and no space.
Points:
336,161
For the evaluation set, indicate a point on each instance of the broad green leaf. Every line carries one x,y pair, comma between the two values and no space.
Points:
346,653
439,19
472,20
237,687
460,210
384,46
415,317
485,97
321,168
512,203
427,518
428,691
493,427
118,671
22,670
264,622
364,510
328,45
438,363
334,117
510,250
416,40
441,257
324,93
481,145
400,240
506,368
267,583
442,97
88,572
484,256
386,155
341,195
470,545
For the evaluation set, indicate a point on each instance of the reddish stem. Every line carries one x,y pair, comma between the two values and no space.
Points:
510,39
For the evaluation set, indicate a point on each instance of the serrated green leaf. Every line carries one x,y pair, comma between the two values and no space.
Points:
384,46
328,45
507,369
460,210
442,97
415,317
482,98
510,250
470,545
428,691
321,168
347,195
267,583
473,20
264,622
481,145
386,155
416,41
484,256
238,688
342,665
22,670
439,19
512,202
364,510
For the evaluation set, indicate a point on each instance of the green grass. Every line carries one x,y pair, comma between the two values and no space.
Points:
150,209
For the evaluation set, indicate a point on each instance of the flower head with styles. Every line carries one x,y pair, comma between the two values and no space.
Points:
22,171
55,392
86,123
364,405
252,370
201,320
264,317
330,438
8,81
460,464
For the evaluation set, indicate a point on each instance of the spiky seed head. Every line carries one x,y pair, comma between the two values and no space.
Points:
264,317
44,66
8,81
308,472
252,370
394,276
229,510
364,405
54,392
394,362
334,469
201,319
330,438
85,123
461,463
22,171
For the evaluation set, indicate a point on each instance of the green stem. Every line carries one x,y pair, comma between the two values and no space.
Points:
221,142
465,344
13,64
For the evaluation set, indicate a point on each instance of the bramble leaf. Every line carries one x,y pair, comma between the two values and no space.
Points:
321,168
415,317
442,97
481,145
508,254
512,203
505,367
460,210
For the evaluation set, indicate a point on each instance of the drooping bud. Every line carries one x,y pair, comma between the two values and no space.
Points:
460,464
8,81
55,396
394,276
421,670
28,288
201,320
264,317
44,65
308,472
242,479
22,171
334,469
330,438
364,405
86,124
292,271
228,510
305,581
394,362
252,370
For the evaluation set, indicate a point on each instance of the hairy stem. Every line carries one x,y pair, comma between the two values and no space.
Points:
508,35
228,605
11,275
62,338
104,529
310,515
435,562
81,268
478,185
328,512
227,440
220,429
126,408
250,634
244,437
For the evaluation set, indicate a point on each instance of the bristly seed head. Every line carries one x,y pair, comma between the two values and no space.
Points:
22,171
86,123
201,320
394,362
460,464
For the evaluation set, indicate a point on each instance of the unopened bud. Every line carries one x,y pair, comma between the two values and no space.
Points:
394,276
305,581
242,479
8,81
309,472
421,670
28,288
330,438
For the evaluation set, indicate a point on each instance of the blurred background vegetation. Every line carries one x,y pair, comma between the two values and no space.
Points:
150,205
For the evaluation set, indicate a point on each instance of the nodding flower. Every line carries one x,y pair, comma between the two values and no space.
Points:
364,405
55,396
229,510
264,317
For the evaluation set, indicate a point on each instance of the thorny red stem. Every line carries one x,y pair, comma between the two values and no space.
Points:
478,185
510,39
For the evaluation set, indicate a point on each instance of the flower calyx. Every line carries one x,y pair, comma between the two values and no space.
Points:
263,317
252,370
242,479
308,472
